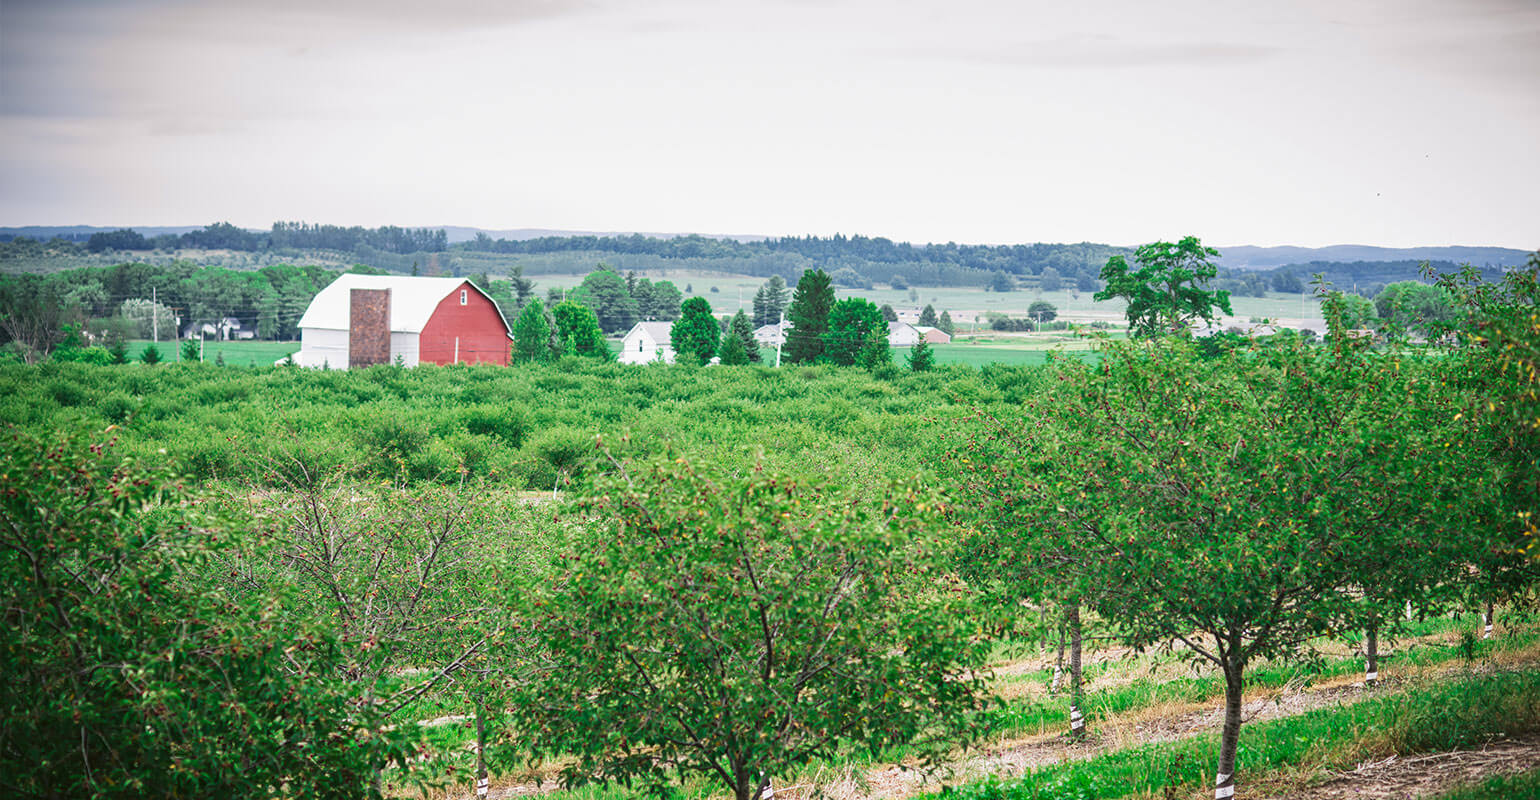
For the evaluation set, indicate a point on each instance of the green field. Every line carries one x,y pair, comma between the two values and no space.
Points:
237,354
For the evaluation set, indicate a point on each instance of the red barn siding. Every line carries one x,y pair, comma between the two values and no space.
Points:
482,337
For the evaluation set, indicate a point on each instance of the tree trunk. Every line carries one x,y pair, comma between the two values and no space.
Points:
1076,720
1058,665
481,752
1224,780
1372,654
1486,620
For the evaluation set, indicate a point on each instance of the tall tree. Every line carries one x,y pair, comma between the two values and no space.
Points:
888,313
605,292
1168,291
741,329
738,624
809,315
1237,504
928,316
578,330
696,332
770,302
856,330
532,334
945,323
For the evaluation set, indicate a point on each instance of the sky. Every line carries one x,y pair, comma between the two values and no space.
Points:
1383,122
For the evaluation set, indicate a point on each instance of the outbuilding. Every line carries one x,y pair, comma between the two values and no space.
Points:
647,342
363,320
902,334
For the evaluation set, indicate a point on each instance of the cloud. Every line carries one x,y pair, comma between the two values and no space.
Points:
1107,52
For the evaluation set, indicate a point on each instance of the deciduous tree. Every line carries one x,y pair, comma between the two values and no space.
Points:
737,627
1168,289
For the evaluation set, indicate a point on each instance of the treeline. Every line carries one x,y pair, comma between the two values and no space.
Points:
225,236
135,301
872,258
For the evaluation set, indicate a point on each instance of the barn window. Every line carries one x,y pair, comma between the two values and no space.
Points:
464,296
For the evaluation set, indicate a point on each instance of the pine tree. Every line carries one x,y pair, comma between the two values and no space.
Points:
150,354
945,323
696,332
809,315
928,316
888,313
743,331
770,302
921,358
732,352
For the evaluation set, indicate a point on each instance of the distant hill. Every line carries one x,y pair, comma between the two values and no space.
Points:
1262,258
80,233
460,233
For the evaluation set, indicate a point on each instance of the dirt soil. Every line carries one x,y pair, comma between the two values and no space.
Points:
1401,777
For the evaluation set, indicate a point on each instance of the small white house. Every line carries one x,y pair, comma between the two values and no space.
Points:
772,335
902,334
647,342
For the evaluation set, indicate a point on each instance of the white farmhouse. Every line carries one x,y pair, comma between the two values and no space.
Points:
647,342
772,335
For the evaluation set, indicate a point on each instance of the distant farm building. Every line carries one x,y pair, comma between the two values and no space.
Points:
772,335
902,334
363,320
647,342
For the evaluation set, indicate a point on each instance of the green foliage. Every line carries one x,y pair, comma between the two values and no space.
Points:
126,677
1168,291
534,334
945,323
921,358
770,301
1415,306
1001,282
150,354
119,352
888,313
694,335
857,333
606,293
577,330
811,302
928,317
739,345
737,626
191,350
1303,477
1042,311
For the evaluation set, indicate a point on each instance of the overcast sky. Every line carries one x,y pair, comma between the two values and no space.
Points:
1394,122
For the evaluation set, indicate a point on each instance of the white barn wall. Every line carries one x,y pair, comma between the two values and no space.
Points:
406,346
320,346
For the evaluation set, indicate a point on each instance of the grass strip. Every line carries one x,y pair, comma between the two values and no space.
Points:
1459,713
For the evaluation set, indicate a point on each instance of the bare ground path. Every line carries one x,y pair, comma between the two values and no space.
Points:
1168,722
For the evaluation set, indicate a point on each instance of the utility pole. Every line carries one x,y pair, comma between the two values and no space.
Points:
780,338
155,317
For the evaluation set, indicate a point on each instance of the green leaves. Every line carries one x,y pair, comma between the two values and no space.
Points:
739,625
1167,292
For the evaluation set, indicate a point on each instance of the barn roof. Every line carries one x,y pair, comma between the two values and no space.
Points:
412,300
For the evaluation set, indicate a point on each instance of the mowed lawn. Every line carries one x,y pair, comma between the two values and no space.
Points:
239,353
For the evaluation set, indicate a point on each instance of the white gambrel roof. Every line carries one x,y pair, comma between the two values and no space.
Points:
412,300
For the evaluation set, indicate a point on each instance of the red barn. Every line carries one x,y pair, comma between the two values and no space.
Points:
361,320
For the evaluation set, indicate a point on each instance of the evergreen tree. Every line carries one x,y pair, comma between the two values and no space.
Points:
888,313
666,298
190,350
150,354
921,358
119,351
809,315
928,317
945,323
532,334
696,332
732,353
742,330
770,302
219,358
